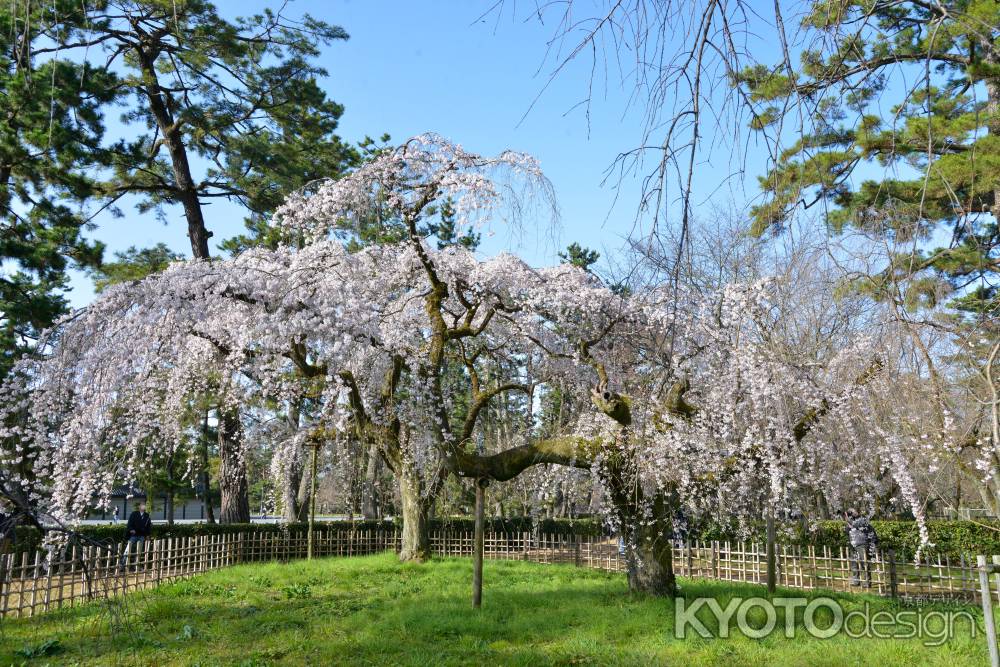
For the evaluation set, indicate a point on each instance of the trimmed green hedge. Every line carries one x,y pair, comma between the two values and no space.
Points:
28,536
950,538
525,524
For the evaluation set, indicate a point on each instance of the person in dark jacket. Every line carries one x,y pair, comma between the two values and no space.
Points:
681,528
8,532
863,542
139,527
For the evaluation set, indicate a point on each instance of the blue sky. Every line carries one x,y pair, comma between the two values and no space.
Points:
412,67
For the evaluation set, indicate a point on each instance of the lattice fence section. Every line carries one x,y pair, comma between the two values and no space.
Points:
36,582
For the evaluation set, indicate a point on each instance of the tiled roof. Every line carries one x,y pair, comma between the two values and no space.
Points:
127,491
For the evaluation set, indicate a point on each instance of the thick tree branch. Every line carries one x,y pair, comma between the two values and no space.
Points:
508,464
481,400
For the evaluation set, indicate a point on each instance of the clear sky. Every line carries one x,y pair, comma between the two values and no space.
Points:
411,67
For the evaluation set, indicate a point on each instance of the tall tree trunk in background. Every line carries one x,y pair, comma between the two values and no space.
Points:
823,507
290,504
292,495
185,189
562,501
988,495
304,490
370,500
958,493
206,478
993,112
232,469
169,505
993,109
234,490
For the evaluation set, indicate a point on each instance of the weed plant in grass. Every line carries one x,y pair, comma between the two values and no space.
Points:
374,610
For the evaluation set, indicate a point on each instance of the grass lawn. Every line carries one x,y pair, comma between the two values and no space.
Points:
373,610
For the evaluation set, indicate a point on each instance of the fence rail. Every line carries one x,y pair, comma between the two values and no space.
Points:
40,581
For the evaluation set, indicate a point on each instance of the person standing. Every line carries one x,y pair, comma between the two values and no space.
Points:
863,542
680,529
8,528
139,527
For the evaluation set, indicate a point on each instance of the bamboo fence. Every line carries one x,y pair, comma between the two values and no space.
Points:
39,581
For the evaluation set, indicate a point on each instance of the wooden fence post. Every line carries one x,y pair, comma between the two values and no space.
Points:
34,581
987,600
86,566
893,588
996,573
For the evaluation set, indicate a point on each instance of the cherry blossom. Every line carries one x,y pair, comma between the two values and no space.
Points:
697,400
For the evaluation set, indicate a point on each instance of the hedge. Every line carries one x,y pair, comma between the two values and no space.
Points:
953,539
29,536
950,538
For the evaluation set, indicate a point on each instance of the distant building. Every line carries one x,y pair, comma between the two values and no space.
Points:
124,499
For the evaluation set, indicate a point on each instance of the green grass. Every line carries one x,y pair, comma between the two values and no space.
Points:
373,610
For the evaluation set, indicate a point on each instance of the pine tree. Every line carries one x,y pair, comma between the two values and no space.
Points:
133,264
51,129
579,256
911,92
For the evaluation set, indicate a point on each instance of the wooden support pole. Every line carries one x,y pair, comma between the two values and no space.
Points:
312,502
477,551
893,586
987,599
996,575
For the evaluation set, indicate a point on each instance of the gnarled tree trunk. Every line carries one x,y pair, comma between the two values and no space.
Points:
647,531
416,516
232,470
649,560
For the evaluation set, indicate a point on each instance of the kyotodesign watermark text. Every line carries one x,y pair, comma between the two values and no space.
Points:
820,617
